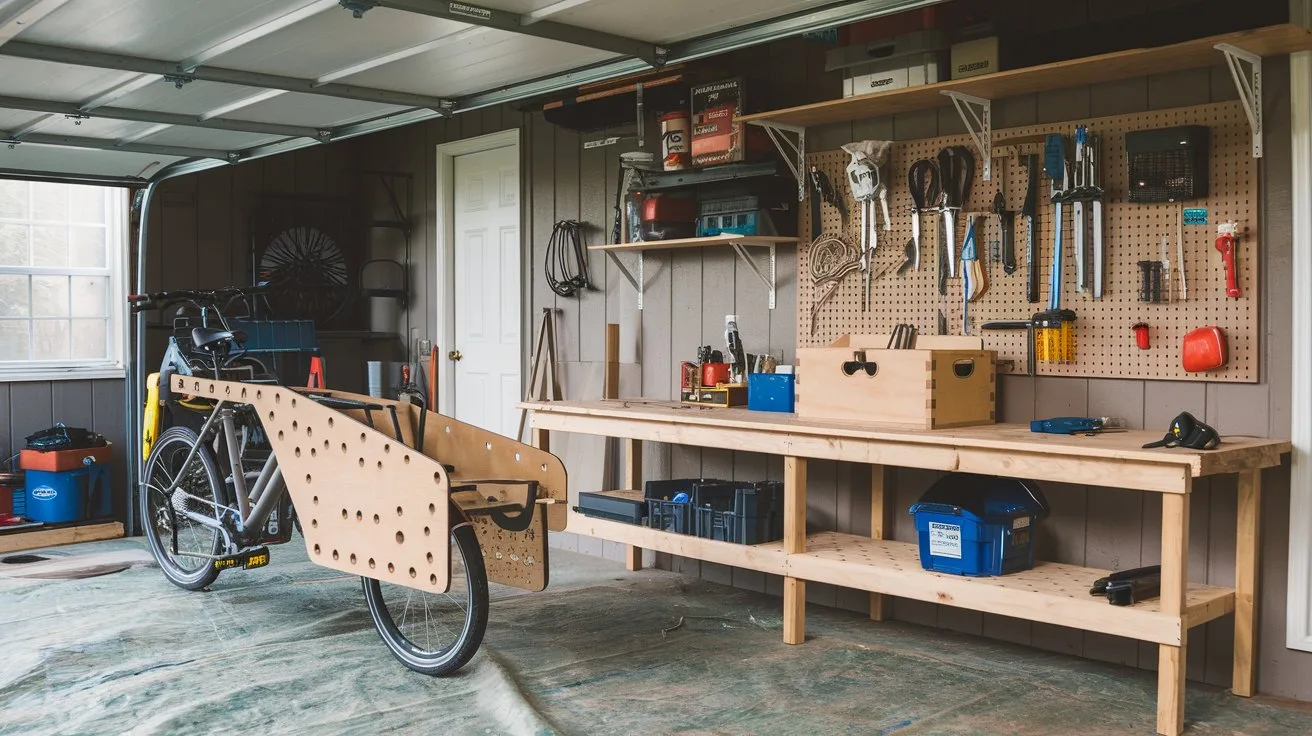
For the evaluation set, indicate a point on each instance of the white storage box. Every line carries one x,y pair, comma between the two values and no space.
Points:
973,58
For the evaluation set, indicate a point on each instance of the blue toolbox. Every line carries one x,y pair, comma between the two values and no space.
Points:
771,392
978,525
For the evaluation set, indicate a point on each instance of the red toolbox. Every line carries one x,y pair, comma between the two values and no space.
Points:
57,461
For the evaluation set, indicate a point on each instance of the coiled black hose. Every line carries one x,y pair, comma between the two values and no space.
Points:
566,278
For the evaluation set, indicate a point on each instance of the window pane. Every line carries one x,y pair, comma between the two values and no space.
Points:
49,201
13,245
86,204
13,296
49,339
13,339
88,247
89,296
49,246
89,338
13,199
49,296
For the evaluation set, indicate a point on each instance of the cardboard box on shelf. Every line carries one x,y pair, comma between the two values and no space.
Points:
976,57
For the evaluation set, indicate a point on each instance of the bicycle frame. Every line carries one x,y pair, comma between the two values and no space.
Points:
254,504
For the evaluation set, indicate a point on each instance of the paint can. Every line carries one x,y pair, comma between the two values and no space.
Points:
674,140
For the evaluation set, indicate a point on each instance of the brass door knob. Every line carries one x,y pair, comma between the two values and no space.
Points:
454,355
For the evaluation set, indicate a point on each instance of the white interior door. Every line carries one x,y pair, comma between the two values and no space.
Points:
487,289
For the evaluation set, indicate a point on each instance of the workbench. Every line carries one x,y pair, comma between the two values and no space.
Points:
1051,593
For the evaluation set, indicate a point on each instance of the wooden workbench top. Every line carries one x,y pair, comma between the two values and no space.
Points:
1234,454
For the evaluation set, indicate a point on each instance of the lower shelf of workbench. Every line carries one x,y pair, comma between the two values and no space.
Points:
1050,592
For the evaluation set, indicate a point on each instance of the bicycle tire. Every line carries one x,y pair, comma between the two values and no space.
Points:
189,573
450,657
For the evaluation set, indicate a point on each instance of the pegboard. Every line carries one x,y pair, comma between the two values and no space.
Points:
1132,232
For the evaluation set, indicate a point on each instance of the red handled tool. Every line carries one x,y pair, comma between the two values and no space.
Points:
1225,242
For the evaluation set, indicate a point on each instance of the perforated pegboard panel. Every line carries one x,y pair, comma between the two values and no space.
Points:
1132,232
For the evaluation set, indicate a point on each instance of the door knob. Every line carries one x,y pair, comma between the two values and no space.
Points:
454,355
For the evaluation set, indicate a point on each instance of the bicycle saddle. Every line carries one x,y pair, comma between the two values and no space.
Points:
206,338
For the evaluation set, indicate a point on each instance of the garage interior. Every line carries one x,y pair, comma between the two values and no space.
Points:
349,129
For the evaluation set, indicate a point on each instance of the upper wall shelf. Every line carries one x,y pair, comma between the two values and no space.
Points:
739,243
1202,52
973,96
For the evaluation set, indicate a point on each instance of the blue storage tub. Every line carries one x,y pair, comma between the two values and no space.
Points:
770,391
70,495
277,335
978,525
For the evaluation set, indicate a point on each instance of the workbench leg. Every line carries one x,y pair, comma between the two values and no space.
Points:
633,482
879,522
1175,576
1247,567
542,439
794,542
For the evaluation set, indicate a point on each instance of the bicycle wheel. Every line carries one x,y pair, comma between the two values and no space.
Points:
435,633
192,566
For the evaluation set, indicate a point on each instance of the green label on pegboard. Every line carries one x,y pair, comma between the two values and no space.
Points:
1195,216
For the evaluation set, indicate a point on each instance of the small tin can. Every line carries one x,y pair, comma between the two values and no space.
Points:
674,140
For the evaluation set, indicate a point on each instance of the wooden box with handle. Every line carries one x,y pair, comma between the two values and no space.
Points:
939,383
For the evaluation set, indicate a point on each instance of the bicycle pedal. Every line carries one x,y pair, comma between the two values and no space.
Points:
248,560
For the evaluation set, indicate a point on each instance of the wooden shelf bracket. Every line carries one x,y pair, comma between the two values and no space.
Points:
1249,86
793,153
978,124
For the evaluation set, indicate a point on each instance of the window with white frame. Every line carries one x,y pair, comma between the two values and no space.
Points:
61,281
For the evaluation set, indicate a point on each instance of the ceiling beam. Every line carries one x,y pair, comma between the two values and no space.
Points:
180,74
71,110
17,16
514,23
105,144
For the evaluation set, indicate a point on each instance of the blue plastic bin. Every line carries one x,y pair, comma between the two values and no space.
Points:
978,525
70,495
770,392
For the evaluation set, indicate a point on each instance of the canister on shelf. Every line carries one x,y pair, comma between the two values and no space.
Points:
674,140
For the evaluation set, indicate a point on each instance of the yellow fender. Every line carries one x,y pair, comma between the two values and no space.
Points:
150,416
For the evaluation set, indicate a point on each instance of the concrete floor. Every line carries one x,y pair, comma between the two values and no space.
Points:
289,649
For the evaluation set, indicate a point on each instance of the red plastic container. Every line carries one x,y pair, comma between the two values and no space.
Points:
57,461
9,482
1204,349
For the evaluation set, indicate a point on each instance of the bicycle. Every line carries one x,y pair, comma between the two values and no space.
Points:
203,516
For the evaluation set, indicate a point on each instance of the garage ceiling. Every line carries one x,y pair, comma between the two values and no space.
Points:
136,89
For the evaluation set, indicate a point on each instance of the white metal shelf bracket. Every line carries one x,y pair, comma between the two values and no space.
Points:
769,281
978,123
793,153
638,282
1249,86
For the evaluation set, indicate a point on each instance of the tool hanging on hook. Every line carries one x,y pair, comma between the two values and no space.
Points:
865,177
1054,163
1006,221
957,167
925,183
1030,211
1226,243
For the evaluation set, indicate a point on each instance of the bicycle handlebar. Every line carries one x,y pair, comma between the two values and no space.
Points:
161,299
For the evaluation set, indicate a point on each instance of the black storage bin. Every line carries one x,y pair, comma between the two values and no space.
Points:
1168,164
628,507
755,517
665,513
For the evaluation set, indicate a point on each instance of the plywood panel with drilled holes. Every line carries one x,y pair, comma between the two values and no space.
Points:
517,559
1133,232
368,505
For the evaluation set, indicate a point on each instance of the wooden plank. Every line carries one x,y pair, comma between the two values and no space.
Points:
711,241
1247,571
1237,452
794,504
1175,572
1280,39
633,479
881,512
41,538
794,610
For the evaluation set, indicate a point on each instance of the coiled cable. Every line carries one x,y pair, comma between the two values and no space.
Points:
566,278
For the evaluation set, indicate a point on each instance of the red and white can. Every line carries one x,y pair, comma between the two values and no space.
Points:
674,140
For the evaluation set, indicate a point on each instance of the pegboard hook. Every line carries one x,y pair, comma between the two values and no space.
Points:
1249,87
793,153
978,124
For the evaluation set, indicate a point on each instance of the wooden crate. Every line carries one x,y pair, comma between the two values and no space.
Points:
944,382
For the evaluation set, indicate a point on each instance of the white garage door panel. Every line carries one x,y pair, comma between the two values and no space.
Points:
679,19
98,163
298,109
196,98
223,140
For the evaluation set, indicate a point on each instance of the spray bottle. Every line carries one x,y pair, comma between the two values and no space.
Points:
737,358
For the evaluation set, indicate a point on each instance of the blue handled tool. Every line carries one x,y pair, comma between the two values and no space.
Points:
1054,163
1073,425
